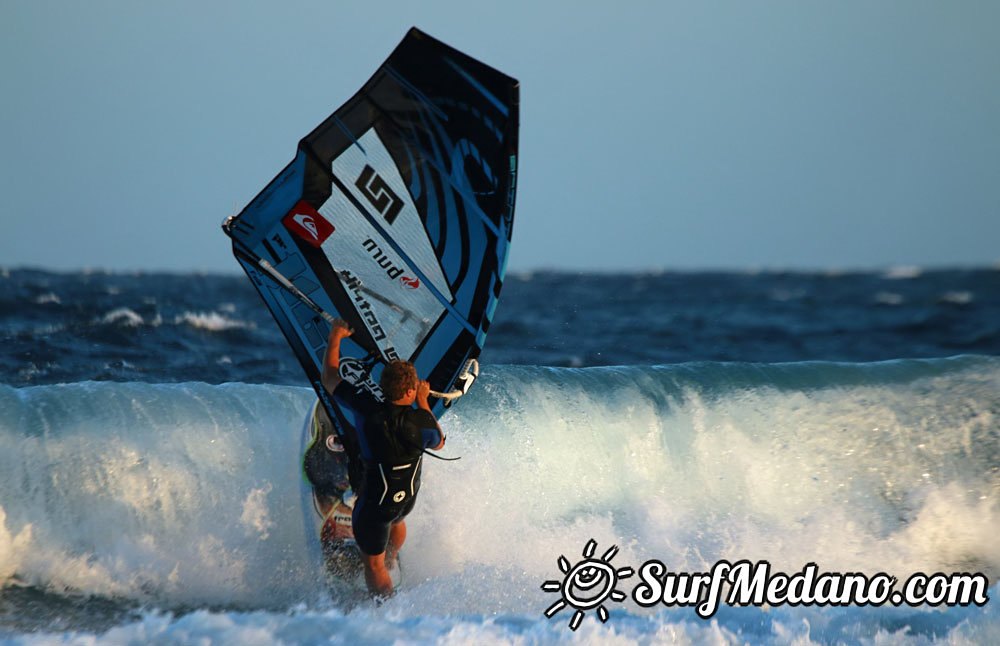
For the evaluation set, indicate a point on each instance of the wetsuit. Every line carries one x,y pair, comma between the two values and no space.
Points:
390,441
395,438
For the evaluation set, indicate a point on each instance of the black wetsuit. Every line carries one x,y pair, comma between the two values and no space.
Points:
384,444
395,438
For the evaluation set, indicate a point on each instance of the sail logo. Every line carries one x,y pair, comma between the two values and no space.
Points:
354,372
377,191
391,270
306,222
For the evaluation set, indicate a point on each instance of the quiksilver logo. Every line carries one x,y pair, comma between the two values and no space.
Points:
307,223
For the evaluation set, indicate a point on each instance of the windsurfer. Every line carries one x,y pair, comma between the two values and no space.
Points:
384,457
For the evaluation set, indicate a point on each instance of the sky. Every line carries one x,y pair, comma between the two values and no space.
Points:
674,135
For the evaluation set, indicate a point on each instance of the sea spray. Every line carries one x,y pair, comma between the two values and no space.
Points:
188,493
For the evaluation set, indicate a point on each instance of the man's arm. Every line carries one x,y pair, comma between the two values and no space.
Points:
331,362
423,390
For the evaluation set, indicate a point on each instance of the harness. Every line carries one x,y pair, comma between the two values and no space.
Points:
397,472
397,482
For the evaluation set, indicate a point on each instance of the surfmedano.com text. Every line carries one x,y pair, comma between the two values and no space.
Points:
754,584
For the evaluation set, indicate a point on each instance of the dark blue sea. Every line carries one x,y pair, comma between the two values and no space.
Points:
149,471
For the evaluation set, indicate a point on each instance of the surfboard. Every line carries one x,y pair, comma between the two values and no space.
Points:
327,514
396,215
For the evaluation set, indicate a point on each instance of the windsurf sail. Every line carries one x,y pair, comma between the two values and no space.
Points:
395,215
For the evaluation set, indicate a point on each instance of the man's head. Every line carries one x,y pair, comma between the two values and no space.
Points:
398,379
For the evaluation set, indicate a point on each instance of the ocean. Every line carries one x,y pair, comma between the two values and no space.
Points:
149,474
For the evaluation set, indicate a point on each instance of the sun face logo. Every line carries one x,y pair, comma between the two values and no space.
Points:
587,584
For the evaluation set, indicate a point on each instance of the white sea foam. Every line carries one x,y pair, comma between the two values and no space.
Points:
12,547
122,316
889,298
48,298
187,495
903,272
958,297
777,626
256,517
212,321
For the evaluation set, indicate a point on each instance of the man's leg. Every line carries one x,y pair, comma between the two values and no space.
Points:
397,535
372,533
376,576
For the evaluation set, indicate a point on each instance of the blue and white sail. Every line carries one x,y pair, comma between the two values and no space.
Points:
396,216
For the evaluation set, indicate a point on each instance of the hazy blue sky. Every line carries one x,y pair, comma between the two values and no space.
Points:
678,135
